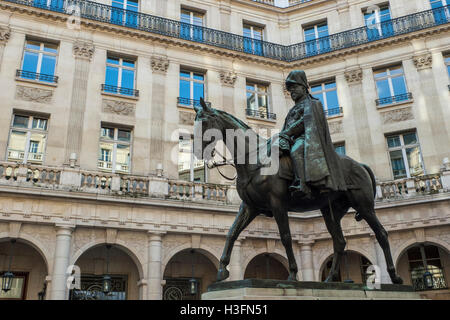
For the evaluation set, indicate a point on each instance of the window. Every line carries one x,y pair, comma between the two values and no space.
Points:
316,38
120,76
54,5
327,94
39,61
424,258
447,62
114,153
340,148
378,23
91,288
391,85
253,37
405,155
189,167
257,100
125,12
18,288
192,87
27,139
191,25
441,12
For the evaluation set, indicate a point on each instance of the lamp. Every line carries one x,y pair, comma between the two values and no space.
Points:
428,280
193,283
106,284
8,276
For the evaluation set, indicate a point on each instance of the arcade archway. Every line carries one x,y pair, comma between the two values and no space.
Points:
353,267
267,266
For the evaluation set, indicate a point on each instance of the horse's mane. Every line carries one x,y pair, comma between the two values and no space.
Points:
232,118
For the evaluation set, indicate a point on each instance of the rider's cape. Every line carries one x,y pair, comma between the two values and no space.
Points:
322,164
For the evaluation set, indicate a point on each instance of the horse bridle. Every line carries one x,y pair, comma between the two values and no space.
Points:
213,164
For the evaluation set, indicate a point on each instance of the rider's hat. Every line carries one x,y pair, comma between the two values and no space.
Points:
297,77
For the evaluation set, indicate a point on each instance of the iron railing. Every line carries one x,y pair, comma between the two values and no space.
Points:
120,90
263,114
394,99
190,102
172,28
36,76
438,283
333,112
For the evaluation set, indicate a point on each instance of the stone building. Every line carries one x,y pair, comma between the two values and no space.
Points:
95,137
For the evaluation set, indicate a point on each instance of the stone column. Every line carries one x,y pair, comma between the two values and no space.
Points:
306,260
61,260
83,52
5,33
154,265
236,272
381,261
432,108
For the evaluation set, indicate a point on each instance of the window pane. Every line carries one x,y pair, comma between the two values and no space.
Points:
383,89
394,141
398,166
247,32
185,74
310,34
112,76
107,133
316,88
380,73
185,89
112,61
262,101
185,16
124,135
30,61
184,159
127,79
128,63
410,138
251,101
199,76
39,124
36,147
16,291
105,155
20,121
414,161
399,85
340,149
48,65
16,147
250,87
123,158
33,45
320,97
198,91
330,85
49,47
332,99
396,70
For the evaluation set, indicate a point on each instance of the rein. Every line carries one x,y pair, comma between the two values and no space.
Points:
213,164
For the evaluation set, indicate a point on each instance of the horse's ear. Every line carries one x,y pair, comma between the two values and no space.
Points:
204,105
197,108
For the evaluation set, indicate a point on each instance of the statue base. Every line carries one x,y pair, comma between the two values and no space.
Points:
257,289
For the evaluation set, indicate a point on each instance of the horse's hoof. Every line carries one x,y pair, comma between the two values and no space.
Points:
397,280
222,274
292,277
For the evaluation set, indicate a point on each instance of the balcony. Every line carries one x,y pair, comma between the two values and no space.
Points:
28,75
119,90
404,97
172,28
262,113
186,102
333,112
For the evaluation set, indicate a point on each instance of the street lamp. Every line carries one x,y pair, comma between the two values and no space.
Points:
8,276
428,280
193,283
106,284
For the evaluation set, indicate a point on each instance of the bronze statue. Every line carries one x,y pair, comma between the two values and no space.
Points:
325,180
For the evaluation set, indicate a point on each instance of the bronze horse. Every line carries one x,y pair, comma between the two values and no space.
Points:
269,195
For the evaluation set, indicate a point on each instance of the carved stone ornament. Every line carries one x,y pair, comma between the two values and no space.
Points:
335,127
159,64
423,61
397,115
354,76
118,107
5,33
186,118
33,94
83,50
228,78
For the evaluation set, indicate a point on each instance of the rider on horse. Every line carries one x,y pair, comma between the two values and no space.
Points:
305,136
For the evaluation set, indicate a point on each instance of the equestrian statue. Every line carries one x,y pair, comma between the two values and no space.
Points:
310,176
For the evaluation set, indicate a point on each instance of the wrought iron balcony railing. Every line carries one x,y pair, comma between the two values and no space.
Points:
176,29
190,102
36,76
263,114
333,112
394,99
119,90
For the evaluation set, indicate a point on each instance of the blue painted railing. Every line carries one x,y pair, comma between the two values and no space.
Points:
172,28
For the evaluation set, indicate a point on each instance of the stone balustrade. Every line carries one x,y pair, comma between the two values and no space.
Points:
67,178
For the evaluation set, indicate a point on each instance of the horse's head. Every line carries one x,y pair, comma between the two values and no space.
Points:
207,130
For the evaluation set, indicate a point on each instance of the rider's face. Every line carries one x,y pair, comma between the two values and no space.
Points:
297,92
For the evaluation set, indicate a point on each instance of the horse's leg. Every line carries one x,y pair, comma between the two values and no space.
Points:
280,214
243,219
334,228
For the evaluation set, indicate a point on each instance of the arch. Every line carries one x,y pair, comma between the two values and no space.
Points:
203,249
35,244
279,255
407,244
272,255
118,244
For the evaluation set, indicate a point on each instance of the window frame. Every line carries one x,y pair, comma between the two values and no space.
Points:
120,68
115,141
192,161
389,78
323,91
191,81
377,13
257,92
41,52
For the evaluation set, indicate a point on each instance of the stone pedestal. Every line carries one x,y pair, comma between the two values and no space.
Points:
254,289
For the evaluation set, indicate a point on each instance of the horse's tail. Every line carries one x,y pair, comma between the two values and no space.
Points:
372,177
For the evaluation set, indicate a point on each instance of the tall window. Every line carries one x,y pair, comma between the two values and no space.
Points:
189,167
191,25
253,37
405,155
378,23
326,92
447,62
55,5
192,87
120,75
125,12
340,148
114,151
423,258
391,85
441,12
316,38
39,61
27,139
257,101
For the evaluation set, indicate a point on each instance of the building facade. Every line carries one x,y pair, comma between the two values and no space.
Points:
96,168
